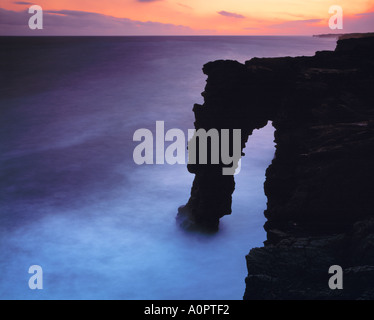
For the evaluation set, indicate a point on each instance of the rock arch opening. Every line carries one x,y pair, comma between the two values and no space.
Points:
318,186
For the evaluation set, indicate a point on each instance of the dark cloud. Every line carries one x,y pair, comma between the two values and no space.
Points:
231,15
362,22
365,14
70,22
74,13
147,0
23,3
12,18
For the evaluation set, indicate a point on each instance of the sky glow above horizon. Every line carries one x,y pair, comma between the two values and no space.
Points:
186,17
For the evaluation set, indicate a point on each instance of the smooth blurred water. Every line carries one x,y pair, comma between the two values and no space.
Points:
73,201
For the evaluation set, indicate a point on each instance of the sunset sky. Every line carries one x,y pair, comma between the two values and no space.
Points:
186,17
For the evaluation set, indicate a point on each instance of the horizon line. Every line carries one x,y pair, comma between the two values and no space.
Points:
186,35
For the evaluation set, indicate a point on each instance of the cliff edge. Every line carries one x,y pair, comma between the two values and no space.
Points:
319,184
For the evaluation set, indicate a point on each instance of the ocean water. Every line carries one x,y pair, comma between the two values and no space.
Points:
73,201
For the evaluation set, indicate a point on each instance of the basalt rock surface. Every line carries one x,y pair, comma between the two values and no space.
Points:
319,186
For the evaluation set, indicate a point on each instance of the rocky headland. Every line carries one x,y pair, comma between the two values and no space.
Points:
319,186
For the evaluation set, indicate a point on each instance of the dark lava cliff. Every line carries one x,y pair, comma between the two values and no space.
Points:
319,185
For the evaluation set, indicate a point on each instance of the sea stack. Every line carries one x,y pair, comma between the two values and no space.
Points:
319,184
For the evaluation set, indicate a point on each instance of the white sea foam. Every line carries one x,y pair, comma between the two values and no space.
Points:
74,202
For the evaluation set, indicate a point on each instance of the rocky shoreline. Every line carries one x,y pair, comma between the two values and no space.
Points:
319,184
